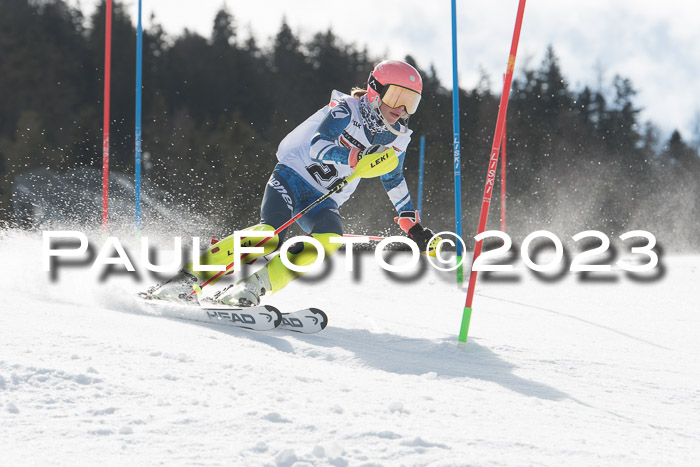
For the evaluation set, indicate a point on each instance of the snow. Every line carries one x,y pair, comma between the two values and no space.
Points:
568,371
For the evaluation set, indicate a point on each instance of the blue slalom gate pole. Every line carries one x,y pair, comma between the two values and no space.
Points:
137,119
420,174
457,159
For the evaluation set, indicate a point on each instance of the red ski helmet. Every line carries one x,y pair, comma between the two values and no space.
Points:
394,83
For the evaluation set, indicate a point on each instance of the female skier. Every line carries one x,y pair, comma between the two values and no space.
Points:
314,157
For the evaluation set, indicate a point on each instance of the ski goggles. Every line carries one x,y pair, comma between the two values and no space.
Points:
395,96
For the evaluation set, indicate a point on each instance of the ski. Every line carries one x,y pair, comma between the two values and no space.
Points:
307,321
257,318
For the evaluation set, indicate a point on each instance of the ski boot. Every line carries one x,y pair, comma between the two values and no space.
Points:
219,253
247,292
275,275
178,288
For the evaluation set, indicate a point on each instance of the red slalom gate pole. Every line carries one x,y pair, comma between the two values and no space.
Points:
503,178
493,165
105,123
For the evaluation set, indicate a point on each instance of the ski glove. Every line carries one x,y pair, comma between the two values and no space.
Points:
409,221
356,154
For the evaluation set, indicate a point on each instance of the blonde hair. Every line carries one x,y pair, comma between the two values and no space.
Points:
358,92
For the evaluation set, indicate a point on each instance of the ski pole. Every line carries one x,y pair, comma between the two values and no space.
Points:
368,237
372,165
432,253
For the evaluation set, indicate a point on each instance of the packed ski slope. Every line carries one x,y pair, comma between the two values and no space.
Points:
559,372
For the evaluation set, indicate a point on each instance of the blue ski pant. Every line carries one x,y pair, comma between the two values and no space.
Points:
287,194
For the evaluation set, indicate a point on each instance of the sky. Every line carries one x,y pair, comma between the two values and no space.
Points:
654,44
